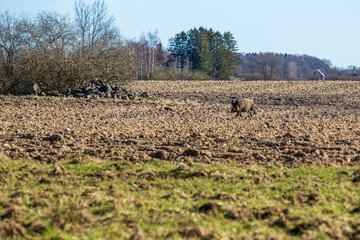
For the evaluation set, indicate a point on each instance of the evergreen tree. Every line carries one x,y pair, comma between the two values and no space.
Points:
193,48
206,50
178,48
231,59
219,54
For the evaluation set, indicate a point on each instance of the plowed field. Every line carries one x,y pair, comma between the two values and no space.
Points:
297,123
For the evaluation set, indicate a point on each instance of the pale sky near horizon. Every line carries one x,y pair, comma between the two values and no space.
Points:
327,29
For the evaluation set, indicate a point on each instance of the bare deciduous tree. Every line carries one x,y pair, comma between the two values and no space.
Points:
267,64
96,28
292,70
148,51
12,38
100,50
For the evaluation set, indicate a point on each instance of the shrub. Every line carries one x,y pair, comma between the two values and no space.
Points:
56,53
166,73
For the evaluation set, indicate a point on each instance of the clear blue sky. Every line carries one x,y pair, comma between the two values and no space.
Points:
322,28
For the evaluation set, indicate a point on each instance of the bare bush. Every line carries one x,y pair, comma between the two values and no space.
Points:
46,57
13,36
167,73
57,53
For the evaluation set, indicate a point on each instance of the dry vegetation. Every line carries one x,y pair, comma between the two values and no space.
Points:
180,165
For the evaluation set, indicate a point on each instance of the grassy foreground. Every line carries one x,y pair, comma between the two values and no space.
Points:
93,199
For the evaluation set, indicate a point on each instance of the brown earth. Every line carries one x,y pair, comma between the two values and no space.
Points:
297,123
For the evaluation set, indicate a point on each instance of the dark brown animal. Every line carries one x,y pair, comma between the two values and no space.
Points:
243,105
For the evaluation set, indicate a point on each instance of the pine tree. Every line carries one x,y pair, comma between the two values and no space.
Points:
219,54
178,48
206,50
230,58
193,48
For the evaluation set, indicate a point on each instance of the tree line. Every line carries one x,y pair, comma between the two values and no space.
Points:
274,66
205,50
270,66
60,51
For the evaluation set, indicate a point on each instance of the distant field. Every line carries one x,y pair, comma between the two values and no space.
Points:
180,165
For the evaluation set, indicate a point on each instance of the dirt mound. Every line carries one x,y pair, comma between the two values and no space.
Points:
10,230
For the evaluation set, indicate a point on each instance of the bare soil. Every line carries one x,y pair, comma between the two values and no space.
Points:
297,124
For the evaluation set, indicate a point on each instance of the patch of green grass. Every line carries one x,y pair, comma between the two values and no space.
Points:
90,199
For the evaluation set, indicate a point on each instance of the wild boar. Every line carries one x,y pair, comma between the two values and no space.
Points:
243,105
